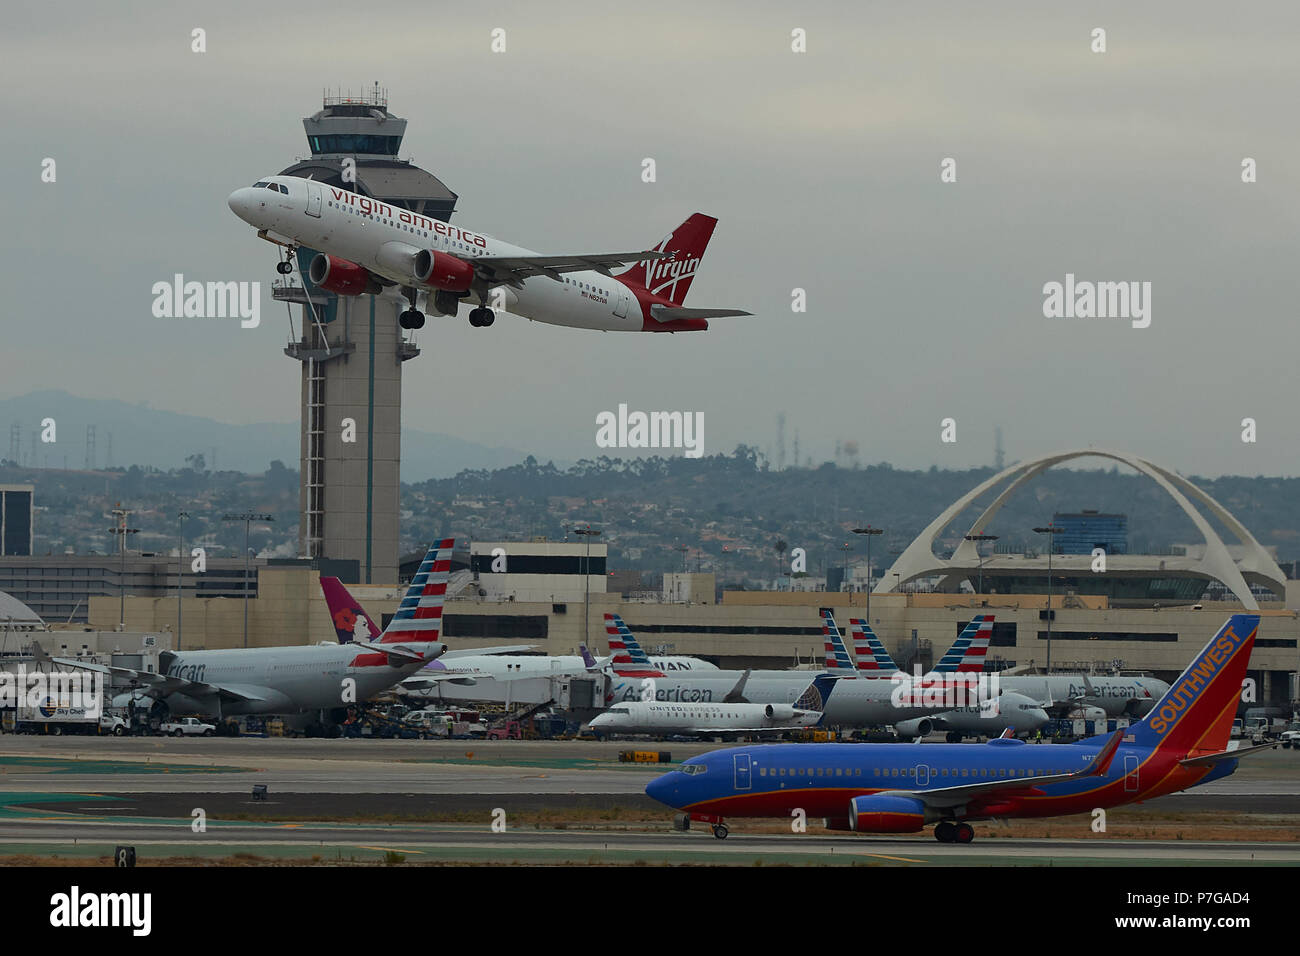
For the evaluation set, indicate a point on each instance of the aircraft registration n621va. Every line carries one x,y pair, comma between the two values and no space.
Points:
367,247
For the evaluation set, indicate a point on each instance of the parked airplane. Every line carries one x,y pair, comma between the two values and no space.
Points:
629,660
966,656
901,788
1062,695
704,719
366,246
315,678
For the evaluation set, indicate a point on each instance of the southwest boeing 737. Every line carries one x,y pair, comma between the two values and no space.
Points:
367,246
901,788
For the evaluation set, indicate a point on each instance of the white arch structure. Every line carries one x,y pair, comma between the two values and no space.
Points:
1255,565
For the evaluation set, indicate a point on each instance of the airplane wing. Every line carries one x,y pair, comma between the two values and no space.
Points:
946,797
486,651
717,731
161,685
513,270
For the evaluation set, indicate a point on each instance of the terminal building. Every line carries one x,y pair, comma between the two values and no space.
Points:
553,595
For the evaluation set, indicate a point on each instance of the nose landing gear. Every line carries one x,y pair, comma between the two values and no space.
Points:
720,831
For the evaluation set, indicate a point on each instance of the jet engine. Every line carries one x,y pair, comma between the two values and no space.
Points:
441,271
341,276
886,813
779,712
920,727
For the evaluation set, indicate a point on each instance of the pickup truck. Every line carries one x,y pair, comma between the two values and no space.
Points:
1291,738
187,727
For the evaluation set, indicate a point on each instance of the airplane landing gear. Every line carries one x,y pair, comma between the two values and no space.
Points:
720,831
949,832
481,317
448,303
412,318
284,267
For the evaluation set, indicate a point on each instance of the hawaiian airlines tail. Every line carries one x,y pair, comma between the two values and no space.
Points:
1195,715
873,659
670,278
837,655
970,649
346,612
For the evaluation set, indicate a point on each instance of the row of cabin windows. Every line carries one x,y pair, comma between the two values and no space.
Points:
459,245
905,772
402,226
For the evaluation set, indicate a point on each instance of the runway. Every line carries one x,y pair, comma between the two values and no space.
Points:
565,802
443,843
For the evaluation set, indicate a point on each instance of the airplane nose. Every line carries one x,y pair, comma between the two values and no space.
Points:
662,789
241,203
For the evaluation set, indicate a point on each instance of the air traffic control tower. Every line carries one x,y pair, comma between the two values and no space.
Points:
351,351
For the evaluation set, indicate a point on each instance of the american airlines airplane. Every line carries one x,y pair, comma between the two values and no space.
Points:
321,679
1182,742
367,246
1062,694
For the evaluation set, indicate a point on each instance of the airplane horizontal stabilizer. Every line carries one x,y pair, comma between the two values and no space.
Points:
1209,760
662,313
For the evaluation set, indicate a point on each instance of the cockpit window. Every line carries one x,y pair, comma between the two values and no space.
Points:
260,185
284,189
618,710
693,768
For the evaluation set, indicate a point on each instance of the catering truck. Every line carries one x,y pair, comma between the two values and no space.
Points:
48,717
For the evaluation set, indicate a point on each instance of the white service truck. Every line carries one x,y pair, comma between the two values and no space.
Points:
50,718
187,727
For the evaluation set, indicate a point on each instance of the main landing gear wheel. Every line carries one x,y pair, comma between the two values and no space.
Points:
965,833
411,319
946,832
720,831
284,267
481,317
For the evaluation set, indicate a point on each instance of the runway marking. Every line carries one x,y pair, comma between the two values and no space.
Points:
385,849
901,859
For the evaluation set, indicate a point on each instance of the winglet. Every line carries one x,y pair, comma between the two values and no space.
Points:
737,694
1101,763
1009,733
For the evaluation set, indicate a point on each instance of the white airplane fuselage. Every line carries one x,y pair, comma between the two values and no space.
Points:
645,717
385,240
284,680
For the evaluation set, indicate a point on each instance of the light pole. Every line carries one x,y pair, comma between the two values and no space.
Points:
1049,530
121,530
588,533
180,571
869,531
248,518
977,538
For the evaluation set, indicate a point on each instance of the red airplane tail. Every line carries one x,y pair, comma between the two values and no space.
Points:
670,278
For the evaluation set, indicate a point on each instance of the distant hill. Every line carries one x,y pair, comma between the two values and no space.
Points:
153,437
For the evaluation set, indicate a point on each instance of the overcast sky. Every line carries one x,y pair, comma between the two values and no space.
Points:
925,299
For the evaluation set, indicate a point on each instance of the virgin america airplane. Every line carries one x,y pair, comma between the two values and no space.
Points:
367,246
